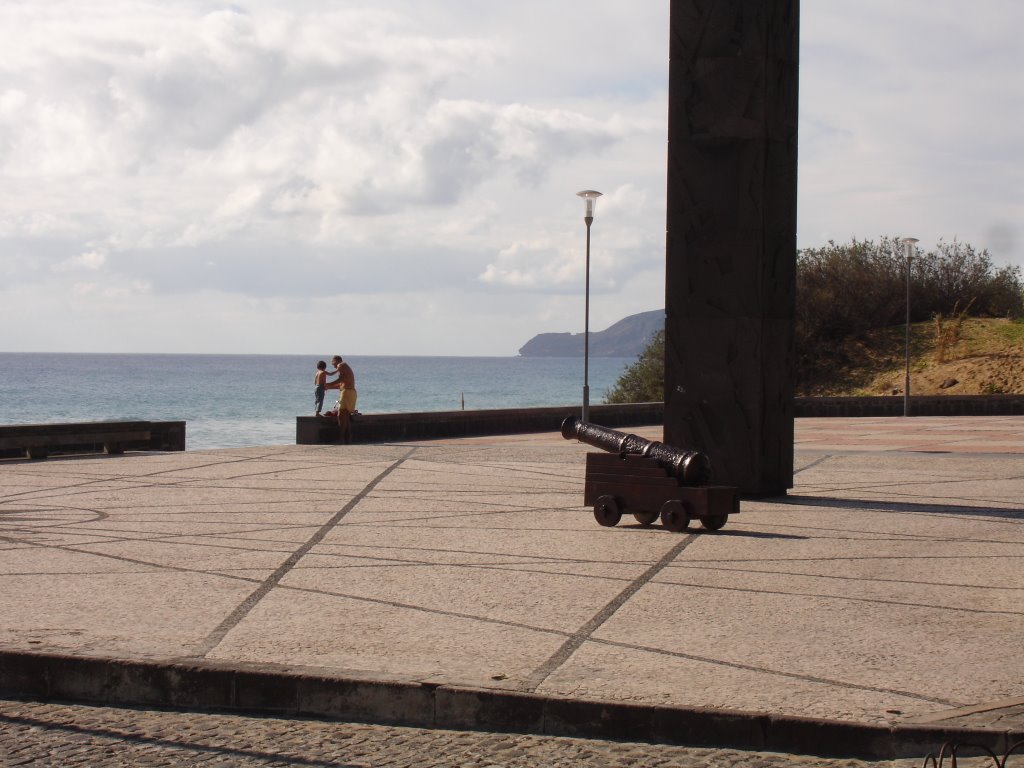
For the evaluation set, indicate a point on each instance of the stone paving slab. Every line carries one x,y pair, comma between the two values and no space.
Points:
886,590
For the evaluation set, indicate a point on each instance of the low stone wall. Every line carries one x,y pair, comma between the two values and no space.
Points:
433,425
930,405
42,440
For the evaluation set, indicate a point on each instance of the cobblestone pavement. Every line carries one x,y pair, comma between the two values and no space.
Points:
68,735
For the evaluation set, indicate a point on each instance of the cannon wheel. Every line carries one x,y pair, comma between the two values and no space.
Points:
607,512
714,522
675,515
645,518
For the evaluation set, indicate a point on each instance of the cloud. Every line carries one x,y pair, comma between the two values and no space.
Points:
408,170
533,264
153,130
107,291
557,264
906,126
90,260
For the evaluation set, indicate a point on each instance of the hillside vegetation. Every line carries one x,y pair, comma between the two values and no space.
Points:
966,333
847,296
644,380
987,358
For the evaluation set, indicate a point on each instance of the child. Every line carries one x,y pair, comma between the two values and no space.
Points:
319,379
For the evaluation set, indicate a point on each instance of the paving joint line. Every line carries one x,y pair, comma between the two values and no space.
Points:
580,636
242,610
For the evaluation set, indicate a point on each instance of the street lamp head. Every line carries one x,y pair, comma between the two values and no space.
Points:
589,197
908,244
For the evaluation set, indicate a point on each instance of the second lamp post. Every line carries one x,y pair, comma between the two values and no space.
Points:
589,198
908,245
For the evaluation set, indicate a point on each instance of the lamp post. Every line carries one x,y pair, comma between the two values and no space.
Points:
908,250
590,199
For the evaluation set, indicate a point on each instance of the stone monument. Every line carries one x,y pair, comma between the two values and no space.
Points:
731,237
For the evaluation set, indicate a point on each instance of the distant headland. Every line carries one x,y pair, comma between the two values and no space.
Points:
626,338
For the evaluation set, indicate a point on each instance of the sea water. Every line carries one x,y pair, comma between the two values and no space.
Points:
242,400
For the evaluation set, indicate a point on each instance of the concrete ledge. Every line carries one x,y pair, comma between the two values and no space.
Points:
400,701
41,440
931,405
434,425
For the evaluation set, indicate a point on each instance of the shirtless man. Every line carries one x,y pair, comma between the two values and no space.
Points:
346,386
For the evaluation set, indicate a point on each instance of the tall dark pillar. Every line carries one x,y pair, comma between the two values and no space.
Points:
731,237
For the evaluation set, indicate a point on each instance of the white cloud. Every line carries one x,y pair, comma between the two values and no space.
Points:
89,260
84,289
557,264
407,170
533,264
908,121
174,126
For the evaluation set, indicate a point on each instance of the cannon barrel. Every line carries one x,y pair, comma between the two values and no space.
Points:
689,467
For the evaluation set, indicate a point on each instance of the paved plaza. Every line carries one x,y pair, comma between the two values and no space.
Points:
886,590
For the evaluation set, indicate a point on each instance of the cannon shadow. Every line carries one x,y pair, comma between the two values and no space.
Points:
696,529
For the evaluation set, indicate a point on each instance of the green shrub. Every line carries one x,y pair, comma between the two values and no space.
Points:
644,380
844,291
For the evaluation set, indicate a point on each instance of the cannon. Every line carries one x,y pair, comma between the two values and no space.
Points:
690,467
649,480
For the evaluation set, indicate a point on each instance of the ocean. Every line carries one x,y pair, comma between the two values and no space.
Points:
244,400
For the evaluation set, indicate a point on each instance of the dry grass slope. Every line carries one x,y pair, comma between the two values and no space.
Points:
985,357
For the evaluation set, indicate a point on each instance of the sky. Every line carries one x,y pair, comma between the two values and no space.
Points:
399,177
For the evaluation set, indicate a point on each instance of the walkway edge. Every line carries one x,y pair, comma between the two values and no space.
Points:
300,691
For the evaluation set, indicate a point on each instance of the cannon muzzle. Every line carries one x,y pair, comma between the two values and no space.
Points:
689,467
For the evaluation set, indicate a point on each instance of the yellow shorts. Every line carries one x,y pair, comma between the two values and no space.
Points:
347,400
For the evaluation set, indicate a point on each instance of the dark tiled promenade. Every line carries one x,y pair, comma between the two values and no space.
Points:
886,589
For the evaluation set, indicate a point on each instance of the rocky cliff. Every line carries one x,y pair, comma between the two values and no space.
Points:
626,338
